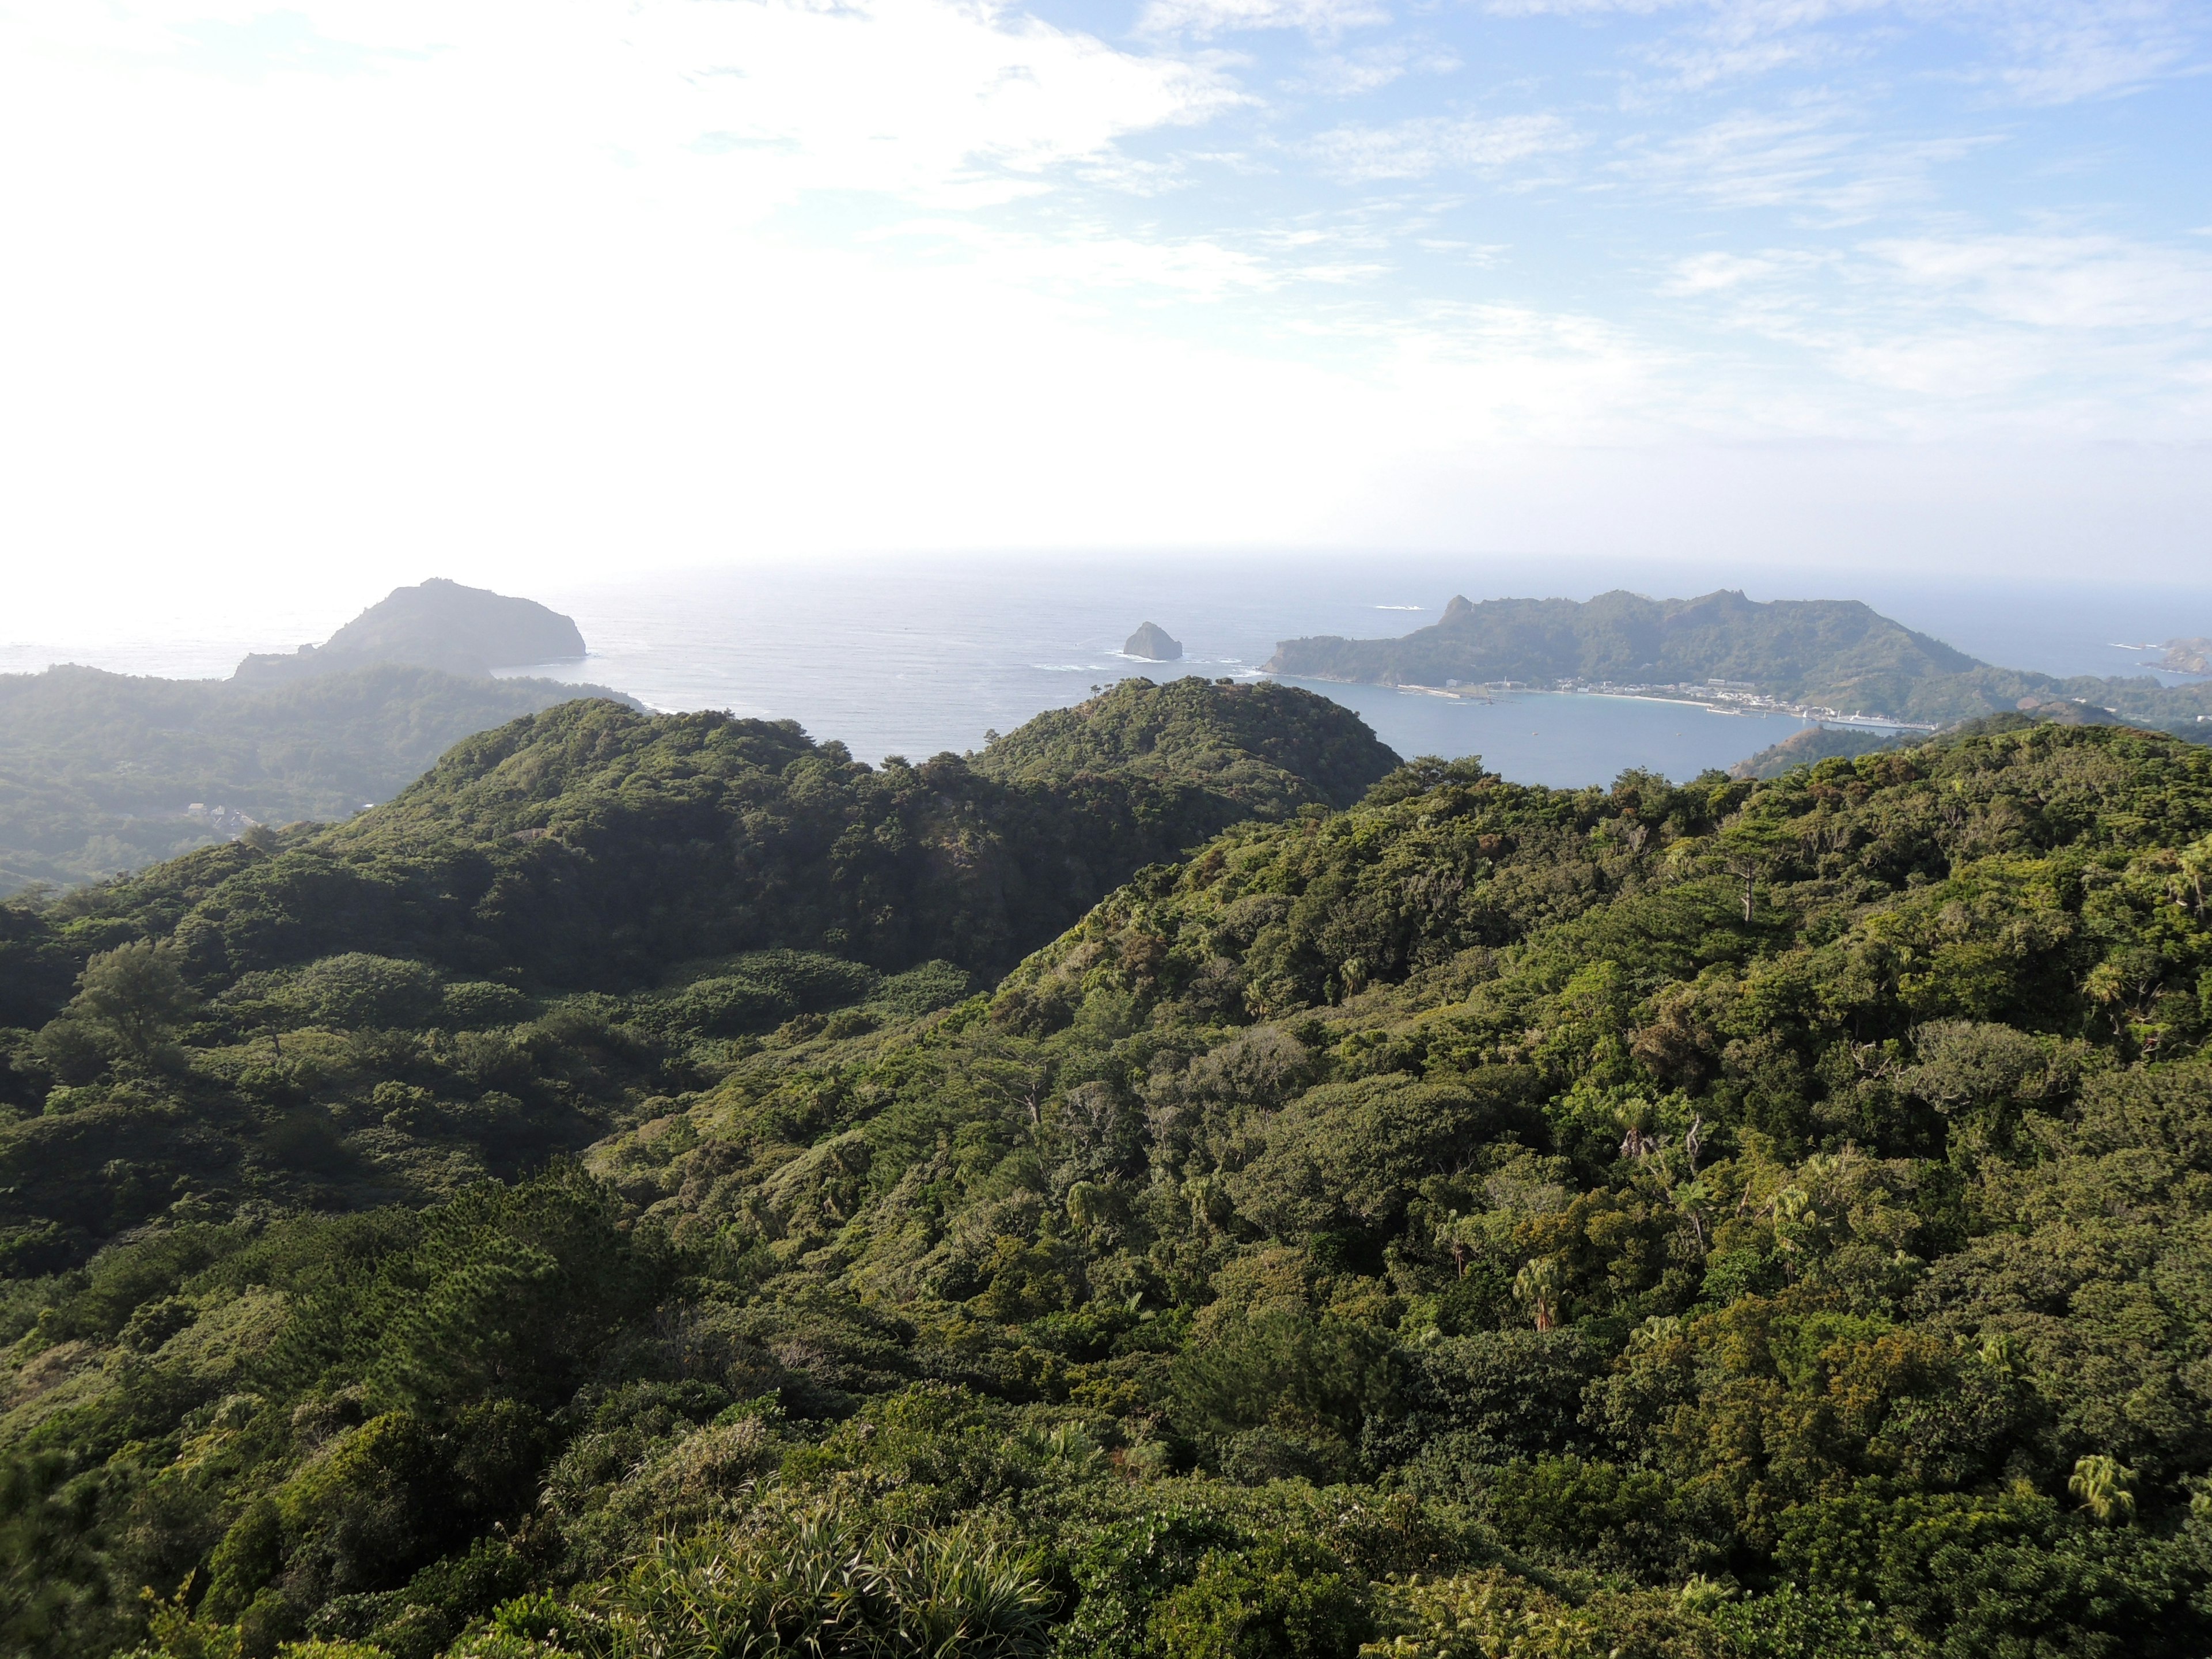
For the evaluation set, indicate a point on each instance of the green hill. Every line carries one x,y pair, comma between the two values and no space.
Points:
1733,1220
1832,654
1806,650
590,846
99,771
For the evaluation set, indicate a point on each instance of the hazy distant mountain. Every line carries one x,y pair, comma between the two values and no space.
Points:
439,624
101,773
1837,654
1798,649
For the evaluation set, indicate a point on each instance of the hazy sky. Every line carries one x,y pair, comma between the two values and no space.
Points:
576,286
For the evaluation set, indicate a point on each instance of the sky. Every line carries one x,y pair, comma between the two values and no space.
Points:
348,291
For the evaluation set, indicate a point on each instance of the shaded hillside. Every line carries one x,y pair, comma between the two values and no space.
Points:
98,770
1813,744
1471,1223
436,624
590,845
1831,654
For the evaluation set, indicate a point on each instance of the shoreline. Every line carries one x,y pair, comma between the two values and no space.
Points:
1490,695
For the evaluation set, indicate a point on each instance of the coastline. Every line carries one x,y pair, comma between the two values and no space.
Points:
1722,703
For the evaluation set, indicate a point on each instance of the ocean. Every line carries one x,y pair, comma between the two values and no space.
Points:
914,656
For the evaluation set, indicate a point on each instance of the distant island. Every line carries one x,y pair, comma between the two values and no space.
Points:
1834,661
1154,644
102,772
438,624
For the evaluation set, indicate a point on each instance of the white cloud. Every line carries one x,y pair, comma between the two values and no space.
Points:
1417,148
1722,273
1203,19
1816,158
2072,283
2058,52
918,97
2032,51
1370,68
596,283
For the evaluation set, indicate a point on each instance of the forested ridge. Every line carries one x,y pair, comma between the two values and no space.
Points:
97,771
1834,654
1755,1217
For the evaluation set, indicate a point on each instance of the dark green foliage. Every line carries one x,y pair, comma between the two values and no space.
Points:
1749,1219
1270,748
1287,1599
593,846
1815,745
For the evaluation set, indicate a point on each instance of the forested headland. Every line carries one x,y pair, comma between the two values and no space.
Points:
1173,1184
99,771
102,772
1834,654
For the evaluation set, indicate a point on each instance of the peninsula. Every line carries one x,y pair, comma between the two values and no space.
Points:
102,772
1833,660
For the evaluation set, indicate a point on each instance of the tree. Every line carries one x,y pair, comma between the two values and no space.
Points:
2102,1483
134,993
1542,1285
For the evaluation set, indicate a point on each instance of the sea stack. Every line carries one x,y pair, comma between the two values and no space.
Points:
1153,644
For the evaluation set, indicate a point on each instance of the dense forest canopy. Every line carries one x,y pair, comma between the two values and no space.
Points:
1746,1218
1832,654
731,874
98,771
592,846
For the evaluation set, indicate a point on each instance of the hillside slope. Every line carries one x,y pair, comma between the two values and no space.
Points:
590,845
1733,1221
98,770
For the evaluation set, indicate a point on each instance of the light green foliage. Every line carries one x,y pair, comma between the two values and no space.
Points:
821,1589
2105,1486
1447,1227
133,996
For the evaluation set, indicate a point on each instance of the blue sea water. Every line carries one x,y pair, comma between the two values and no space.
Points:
914,657
917,655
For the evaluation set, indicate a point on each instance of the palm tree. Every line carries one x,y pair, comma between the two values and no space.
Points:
1542,1285
2101,1483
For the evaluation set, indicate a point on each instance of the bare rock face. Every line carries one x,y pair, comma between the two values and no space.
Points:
1154,644
2188,657
439,624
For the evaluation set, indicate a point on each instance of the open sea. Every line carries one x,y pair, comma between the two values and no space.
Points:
913,656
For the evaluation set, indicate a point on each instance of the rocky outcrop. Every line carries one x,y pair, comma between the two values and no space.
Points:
439,624
2188,657
1154,644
